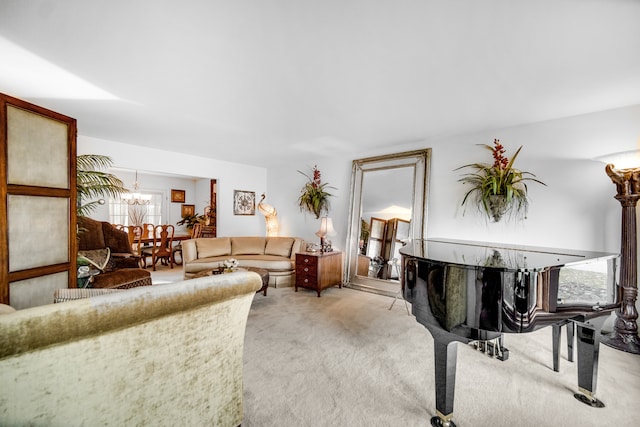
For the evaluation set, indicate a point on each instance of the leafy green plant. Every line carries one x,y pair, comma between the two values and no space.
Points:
314,196
92,182
499,188
191,220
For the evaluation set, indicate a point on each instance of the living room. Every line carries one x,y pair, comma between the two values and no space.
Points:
279,89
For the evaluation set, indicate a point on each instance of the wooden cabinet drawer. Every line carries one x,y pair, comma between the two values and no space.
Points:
306,281
307,269
318,270
305,260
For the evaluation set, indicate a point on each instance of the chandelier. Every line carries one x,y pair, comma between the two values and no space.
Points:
136,198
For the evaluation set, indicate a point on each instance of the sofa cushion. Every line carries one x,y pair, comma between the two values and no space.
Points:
123,278
247,245
90,234
280,246
219,246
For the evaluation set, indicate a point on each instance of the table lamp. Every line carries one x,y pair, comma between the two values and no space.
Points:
627,180
326,229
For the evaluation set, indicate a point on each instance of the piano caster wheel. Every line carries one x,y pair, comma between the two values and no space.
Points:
593,402
438,422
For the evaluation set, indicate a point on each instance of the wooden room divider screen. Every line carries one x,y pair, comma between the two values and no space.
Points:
38,206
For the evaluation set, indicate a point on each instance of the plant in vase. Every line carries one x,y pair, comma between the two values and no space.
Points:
230,265
314,197
498,189
191,220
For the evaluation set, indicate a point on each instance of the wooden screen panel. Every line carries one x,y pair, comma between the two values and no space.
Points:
36,241
36,291
36,150
37,211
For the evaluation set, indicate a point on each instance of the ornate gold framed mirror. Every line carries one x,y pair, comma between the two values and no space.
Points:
388,207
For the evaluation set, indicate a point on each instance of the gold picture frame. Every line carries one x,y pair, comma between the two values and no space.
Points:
188,210
178,196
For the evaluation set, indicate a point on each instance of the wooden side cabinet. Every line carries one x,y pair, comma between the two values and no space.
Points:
318,270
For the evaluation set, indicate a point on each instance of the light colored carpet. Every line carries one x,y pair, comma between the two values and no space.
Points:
345,360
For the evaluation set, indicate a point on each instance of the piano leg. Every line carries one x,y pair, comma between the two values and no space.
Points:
556,342
588,351
570,338
446,354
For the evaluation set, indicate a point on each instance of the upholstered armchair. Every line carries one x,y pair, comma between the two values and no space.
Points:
119,266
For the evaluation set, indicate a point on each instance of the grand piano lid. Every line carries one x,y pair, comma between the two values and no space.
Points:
498,255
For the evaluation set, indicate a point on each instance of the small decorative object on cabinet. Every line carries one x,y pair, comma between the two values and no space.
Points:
318,270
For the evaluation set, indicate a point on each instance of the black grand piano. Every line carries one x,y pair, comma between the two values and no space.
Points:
474,292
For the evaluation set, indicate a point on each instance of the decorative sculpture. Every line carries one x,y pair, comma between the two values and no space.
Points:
270,216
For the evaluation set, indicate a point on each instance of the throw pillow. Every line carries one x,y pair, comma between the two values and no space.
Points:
280,246
99,258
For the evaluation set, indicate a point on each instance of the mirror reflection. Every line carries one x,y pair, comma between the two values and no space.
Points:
387,209
386,217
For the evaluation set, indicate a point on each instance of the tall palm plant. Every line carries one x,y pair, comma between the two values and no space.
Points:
92,182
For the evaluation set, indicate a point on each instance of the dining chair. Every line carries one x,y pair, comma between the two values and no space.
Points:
134,232
196,230
161,248
147,230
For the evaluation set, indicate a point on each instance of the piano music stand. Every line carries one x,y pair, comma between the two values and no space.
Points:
394,264
399,295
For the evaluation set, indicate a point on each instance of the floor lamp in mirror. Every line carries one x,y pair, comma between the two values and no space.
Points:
627,180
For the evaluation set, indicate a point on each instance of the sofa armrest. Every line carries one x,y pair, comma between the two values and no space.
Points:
296,247
189,251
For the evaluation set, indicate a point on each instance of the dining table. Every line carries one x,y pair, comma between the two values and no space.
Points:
176,238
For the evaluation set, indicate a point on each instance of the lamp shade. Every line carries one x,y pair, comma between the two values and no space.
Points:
622,160
326,228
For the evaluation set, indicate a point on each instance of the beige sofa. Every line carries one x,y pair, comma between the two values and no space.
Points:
275,254
162,355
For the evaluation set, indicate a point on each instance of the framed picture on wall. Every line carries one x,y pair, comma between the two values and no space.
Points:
177,196
188,210
244,202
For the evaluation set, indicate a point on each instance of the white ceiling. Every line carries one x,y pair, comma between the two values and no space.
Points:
249,80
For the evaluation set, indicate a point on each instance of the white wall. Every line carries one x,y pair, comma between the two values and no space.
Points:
575,210
172,212
230,176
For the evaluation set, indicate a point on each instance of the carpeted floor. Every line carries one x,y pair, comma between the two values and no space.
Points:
345,360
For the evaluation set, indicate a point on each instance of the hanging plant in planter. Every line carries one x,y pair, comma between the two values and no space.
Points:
498,189
314,197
